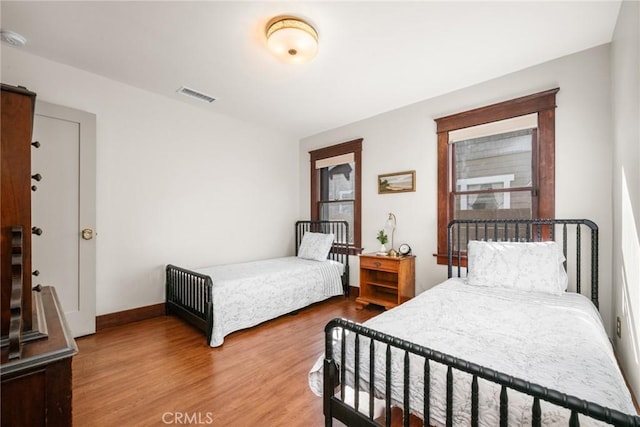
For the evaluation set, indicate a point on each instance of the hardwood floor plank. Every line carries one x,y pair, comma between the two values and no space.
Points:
136,374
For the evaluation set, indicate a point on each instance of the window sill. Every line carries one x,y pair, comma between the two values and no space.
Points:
443,259
355,251
351,250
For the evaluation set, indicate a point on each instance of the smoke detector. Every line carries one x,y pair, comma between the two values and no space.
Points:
12,38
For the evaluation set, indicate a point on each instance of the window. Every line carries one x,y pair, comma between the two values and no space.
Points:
335,186
497,162
494,174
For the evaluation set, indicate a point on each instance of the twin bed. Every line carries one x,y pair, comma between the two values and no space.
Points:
223,299
513,342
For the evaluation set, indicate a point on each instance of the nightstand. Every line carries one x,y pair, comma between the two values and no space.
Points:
386,281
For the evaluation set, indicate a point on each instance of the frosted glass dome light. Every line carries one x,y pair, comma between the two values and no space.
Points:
292,39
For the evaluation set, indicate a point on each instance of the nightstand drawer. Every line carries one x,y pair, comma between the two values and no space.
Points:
382,264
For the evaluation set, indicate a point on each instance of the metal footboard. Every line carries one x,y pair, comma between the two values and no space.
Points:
188,295
351,415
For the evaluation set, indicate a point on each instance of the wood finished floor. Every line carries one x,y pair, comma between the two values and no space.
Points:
133,375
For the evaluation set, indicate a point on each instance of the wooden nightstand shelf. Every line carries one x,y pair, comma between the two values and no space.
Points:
386,281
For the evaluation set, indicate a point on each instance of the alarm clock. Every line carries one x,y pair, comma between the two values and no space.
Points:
404,249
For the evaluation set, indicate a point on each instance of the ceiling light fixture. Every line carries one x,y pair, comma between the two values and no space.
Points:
291,39
13,38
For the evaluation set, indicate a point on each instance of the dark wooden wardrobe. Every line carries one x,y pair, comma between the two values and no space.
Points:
37,346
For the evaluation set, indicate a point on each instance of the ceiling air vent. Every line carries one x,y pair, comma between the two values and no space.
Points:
195,94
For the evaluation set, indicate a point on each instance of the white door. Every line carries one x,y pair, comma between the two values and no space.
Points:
63,205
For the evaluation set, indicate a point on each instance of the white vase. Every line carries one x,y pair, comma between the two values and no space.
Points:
383,249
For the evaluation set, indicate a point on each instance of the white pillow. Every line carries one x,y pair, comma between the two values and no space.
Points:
527,266
315,246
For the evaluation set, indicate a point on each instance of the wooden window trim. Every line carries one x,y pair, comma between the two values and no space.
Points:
355,147
542,103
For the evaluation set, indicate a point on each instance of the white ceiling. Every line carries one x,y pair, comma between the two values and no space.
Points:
373,57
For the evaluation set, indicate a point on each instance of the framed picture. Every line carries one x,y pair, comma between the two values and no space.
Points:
398,182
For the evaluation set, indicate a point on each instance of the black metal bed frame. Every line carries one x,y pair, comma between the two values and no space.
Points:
188,293
459,232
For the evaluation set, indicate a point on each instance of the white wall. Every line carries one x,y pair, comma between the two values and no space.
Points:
625,66
405,139
175,183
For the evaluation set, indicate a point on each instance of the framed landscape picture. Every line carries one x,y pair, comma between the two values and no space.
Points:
398,182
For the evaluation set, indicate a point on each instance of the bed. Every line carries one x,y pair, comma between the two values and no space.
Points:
486,349
223,299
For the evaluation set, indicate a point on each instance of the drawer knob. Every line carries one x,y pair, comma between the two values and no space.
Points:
377,264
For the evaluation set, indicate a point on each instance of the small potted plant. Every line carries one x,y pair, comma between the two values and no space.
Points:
382,238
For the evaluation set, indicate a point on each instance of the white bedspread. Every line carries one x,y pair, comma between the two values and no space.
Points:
250,293
557,341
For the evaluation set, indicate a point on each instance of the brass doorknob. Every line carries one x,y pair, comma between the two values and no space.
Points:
87,234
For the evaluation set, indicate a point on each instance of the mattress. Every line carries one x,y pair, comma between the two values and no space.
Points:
246,294
556,341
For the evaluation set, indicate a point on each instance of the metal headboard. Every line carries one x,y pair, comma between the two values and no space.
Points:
340,249
567,232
